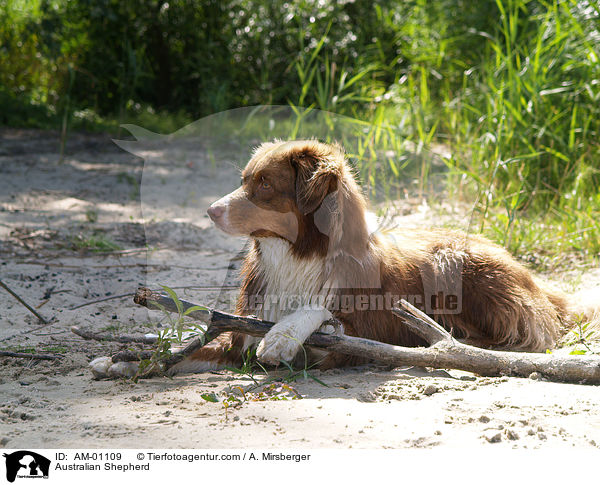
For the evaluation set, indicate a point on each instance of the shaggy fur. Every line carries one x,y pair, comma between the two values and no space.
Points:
311,245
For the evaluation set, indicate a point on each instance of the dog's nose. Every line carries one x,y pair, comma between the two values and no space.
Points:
215,211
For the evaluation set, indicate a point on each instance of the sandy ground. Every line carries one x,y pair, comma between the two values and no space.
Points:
50,210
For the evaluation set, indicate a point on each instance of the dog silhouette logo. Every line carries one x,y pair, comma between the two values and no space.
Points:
26,464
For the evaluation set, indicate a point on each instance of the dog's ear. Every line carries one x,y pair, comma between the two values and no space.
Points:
315,179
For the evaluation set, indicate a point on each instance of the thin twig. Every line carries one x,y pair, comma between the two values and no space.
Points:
113,297
22,302
125,295
106,266
107,337
130,251
25,355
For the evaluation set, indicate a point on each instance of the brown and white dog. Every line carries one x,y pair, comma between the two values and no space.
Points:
313,255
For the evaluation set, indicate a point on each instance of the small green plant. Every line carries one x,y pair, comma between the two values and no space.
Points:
275,391
250,365
91,215
96,242
580,338
53,349
112,328
24,350
295,374
156,363
178,326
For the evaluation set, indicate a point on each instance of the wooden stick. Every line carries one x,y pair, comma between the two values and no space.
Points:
125,295
421,324
107,337
22,302
132,355
446,353
25,355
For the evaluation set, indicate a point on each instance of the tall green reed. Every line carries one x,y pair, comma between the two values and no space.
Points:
521,125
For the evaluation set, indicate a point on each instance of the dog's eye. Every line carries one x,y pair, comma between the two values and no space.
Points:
264,184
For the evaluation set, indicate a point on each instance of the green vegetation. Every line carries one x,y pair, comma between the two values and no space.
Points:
509,89
43,349
96,242
91,216
581,339
181,328
173,333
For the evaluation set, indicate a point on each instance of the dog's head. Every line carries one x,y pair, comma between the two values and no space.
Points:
301,191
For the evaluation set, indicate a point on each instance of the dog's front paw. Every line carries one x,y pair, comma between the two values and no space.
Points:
286,337
277,346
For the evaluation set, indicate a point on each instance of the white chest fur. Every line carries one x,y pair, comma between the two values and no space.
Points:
289,282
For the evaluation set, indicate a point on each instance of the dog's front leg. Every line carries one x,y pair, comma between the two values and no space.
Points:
286,337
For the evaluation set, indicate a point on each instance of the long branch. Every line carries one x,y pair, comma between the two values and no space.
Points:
447,353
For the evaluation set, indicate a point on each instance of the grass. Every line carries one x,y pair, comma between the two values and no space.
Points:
91,216
525,139
42,349
582,339
94,242
521,126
